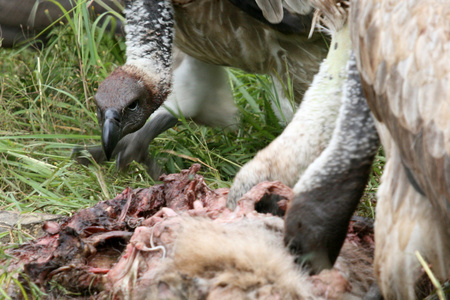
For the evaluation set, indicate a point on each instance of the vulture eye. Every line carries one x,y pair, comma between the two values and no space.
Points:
133,105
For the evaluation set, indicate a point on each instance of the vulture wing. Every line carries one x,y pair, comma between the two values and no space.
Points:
271,9
403,54
281,18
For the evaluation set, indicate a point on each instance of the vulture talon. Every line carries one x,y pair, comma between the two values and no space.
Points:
97,153
330,189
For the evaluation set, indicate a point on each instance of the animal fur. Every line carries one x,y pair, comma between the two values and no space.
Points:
244,260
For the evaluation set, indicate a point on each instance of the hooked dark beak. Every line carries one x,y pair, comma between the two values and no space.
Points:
111,132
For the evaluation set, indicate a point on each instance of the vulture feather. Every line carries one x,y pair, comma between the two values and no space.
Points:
402,54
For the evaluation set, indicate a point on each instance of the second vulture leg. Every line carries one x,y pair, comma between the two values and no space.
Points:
308,134
329,191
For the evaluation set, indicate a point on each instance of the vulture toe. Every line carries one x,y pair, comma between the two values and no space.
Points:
135,146
84,155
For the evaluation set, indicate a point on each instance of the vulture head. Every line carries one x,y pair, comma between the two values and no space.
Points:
128,97
125,100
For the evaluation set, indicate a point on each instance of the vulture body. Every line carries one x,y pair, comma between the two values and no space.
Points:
402,54
220,33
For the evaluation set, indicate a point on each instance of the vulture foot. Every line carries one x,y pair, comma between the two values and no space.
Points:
125,155
79,154
330,189
133,146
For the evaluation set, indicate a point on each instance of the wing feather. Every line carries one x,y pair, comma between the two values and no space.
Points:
272,10
403,52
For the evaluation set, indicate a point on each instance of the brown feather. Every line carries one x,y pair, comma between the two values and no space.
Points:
219,33
403,54
271,9
404,57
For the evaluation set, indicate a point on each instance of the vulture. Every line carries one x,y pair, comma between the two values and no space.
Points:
137,90
176,54
401,51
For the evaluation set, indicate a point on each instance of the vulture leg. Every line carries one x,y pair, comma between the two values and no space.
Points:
308,134
330,189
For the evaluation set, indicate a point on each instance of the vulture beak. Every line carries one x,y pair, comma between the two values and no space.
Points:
111,132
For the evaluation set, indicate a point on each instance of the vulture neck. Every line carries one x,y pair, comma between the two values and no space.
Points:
149,34
338,56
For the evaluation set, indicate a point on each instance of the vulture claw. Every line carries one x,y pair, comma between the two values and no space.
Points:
80,155
132,147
